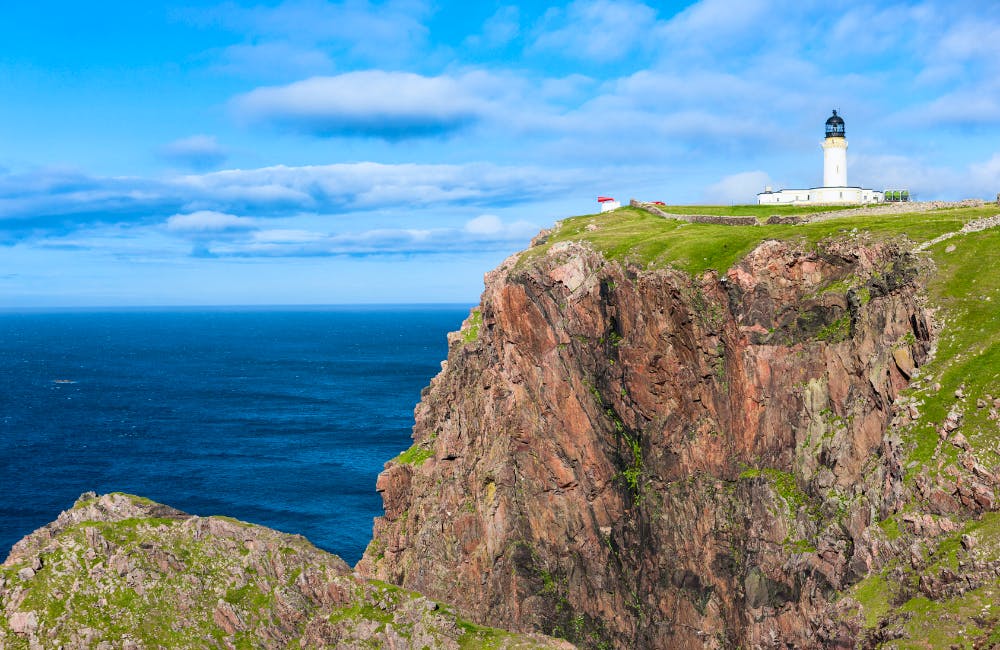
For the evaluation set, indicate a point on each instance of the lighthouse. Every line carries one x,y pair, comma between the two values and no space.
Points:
835,153
835,188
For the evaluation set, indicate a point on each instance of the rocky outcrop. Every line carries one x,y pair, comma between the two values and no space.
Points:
119,571
638,458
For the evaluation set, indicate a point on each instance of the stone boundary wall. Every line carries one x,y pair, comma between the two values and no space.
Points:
695,218
775,219
973,226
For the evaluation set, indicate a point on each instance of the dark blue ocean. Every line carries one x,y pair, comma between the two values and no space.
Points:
279,417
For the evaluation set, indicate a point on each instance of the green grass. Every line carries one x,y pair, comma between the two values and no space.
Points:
472,325
956,622
784,485
837,331
873,593
634,235
415,455
967,286
966,289
890,527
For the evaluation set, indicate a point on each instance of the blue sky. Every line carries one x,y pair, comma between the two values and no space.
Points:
357,151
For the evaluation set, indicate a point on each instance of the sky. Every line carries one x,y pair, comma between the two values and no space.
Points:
393,151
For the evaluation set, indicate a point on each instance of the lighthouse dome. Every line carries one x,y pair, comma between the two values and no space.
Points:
835,126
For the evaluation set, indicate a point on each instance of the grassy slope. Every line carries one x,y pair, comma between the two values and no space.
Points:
964,290
639,236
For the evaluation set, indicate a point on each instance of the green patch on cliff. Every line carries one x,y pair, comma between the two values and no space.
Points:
477,637
874,595
837,331
472,325
250,596
416,455
967,621
890,528
783,484
965,617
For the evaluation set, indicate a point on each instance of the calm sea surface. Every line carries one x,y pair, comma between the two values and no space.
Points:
278,417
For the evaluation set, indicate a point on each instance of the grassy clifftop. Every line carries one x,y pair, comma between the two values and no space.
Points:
652,241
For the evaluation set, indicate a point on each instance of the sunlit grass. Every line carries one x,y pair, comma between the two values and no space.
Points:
638,236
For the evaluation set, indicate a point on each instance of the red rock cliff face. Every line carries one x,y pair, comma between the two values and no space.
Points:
632,458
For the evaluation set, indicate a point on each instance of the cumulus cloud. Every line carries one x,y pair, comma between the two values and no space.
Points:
486,224
499,29
602,30
59,200
313,30
715,20
372,103
927,181
738,188
208,221
483,233
196,152
971,107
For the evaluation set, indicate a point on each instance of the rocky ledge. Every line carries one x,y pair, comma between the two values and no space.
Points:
119,571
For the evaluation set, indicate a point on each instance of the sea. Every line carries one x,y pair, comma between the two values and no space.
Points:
281,417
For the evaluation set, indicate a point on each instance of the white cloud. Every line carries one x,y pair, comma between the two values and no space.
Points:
499,29
373,103
713,20
286,236
390,31
926,181
969,107
740,188
486,224
603,30
971,39
208,221
59,200
483,233
196,151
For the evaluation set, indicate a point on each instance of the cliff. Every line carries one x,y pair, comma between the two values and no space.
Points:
652,433
119,571
658,434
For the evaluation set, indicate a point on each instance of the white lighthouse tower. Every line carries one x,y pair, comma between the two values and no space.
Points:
835,153
835,188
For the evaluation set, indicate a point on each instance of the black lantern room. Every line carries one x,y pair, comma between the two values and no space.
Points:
835,126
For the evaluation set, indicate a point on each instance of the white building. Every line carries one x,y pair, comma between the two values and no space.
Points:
835,188
608,203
